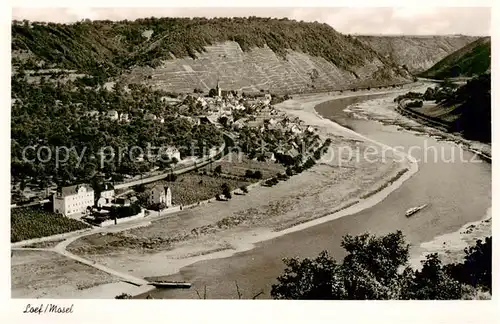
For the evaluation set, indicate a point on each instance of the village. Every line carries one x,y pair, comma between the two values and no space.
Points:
262,144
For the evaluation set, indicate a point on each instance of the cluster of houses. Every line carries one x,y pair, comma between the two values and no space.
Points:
79,200
121,117
224,103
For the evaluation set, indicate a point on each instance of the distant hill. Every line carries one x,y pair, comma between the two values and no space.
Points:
417,53
470,60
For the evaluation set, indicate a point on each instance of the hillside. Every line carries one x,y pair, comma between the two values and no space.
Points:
262,69
417,53
472,59
181,53
465,109
472,106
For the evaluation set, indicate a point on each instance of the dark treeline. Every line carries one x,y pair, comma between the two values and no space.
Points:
56,115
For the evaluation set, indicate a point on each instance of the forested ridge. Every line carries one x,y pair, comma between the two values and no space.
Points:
106,47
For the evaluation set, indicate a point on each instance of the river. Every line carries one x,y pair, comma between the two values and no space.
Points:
458,192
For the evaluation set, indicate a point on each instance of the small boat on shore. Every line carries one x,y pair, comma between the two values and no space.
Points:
170,284
414,210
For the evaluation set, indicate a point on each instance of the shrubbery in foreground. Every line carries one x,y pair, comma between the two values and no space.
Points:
377,268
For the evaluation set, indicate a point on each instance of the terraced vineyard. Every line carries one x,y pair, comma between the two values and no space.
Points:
248,54
260,69
29,223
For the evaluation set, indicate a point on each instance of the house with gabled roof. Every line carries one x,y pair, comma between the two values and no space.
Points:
160,194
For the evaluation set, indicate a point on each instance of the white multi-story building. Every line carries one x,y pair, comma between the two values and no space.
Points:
73,199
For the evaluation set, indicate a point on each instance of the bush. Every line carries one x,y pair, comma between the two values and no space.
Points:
124,211
416,104
298,169
432,282
253,175
124,296
139,188
371,269
244,189
281,176
271,182
477,265
226,191
171,177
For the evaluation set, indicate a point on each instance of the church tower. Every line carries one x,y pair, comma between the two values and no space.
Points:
217,89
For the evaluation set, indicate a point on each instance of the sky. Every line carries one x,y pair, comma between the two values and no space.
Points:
348,20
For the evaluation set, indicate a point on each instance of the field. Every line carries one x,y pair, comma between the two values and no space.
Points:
235,164
191,188
62,277
29,223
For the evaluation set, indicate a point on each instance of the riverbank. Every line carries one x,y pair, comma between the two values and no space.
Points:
384,111
458,193
222,229
450,247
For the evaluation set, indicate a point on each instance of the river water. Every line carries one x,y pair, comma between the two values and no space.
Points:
459,192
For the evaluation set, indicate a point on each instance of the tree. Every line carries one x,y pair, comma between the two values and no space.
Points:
218,169
432,282
477,265
257,174
212,93
226,190
223,120
249,174
374,268
320,278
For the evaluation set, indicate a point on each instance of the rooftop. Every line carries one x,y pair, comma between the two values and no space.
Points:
73,190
